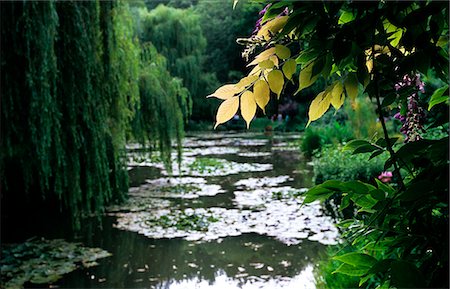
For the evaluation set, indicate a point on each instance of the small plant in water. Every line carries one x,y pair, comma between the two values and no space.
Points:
185,221
206,165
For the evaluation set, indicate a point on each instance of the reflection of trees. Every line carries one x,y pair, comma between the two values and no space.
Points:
132,252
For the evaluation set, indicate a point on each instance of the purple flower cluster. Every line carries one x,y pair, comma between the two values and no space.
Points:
261,14
415,115
258,22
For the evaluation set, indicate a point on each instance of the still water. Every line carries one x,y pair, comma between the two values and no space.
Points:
261,237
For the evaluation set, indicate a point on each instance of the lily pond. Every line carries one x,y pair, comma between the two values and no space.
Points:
230,216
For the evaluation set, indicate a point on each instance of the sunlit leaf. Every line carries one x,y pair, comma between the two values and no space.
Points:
246,81
319,106
227,110
272,26
276,81
274,59
346,17
337,95
248,106
262,93
225,92
289,68
282,51
306,79
255,71
266,64
266,54
395,32
351,86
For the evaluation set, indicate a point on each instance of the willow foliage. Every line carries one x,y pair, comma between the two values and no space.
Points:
70,78
178,36
158,89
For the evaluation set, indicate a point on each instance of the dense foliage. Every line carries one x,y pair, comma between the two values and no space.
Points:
384,50
70,90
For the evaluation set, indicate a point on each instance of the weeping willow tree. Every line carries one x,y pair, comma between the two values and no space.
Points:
158,89
177,35
70,88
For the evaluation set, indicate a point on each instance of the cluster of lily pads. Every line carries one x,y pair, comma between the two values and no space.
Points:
42,261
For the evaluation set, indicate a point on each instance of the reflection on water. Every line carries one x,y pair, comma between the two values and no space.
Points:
246,261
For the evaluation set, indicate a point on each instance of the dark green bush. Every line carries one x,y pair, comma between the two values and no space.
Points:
335,164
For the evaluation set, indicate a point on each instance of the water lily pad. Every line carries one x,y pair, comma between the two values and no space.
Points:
42,261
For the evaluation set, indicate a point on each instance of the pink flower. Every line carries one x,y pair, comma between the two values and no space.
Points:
385,177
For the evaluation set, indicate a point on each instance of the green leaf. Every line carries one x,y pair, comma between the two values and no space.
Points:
366,149
386,188
382,142
376,153
317,193
366,202
333,185
351,86
345,202
306,56
440,95
354,144
357,187
350,270
357,260
346,17
345,223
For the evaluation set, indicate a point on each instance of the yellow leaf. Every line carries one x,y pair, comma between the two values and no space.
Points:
255,71
305,79
351,86
262,93
248,106
266,64
319,106
225,92
227,110
246,81
274,59
276,81
271,27
289,68
369,64
263,56
337,95
282,51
